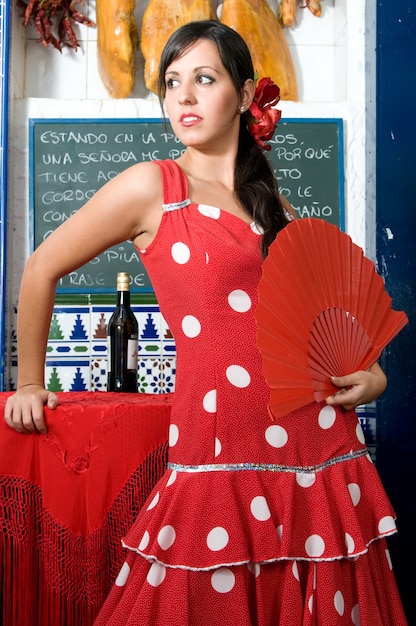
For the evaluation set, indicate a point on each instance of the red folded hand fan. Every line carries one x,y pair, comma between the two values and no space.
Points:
322,311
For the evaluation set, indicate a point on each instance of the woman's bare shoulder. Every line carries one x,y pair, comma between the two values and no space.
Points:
146,176
133,196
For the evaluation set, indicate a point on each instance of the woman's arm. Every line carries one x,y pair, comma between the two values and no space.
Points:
128,207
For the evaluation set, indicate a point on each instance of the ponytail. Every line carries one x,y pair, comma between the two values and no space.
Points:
257,189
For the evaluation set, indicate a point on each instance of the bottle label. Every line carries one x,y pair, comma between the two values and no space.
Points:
132,354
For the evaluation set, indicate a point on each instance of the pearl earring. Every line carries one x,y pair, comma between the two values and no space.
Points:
241,109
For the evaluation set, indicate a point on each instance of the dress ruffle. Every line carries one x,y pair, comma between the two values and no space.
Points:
302,546
303,593
243,516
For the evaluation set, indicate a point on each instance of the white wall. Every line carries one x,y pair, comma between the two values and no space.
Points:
334,64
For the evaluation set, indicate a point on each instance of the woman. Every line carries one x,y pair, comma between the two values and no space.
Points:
253,522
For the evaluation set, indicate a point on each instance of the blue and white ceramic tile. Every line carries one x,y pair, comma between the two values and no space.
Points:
98,370
157,375
150,342
76,357
68,375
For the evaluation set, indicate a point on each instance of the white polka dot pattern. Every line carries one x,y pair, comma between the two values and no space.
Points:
254,568
305,480
386,525
145,541
239,301
191,326
123,575
217,539
339,603
350,544
210,401
260,509
238,376
223,580
355,493
312,496
173,435
295,571
360,434
180,253
218,447
154,501
166,537
276,436
327,417
156,574
209,211
314,546
256,228
172,478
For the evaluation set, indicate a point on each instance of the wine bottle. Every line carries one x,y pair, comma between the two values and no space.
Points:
122,341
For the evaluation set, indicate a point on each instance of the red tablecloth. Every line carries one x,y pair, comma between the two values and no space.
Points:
67,498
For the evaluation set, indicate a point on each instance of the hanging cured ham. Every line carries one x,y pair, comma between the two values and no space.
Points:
259,27
161,18
117,41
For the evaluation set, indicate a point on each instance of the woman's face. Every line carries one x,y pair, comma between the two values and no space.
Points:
201,100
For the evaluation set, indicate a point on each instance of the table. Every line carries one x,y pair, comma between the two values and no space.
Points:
67,498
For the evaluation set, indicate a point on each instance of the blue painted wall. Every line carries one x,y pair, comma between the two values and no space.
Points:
396,256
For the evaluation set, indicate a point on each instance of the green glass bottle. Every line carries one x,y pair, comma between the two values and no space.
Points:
122,341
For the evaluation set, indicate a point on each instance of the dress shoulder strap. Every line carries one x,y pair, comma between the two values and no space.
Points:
175,186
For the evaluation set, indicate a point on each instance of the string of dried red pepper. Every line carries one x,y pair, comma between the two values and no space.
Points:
44,14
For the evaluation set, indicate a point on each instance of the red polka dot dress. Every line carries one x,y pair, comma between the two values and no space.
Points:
254,523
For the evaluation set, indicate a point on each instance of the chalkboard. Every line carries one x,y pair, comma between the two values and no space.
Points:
70,159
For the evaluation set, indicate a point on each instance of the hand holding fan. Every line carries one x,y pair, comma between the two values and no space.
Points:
323,311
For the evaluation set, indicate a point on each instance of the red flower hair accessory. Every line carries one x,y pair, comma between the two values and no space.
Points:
262,119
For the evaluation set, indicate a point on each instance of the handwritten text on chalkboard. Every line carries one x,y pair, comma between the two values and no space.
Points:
72,159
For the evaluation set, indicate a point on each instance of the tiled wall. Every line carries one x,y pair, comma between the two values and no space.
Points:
76,357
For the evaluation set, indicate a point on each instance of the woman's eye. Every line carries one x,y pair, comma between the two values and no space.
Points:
204,80
171,83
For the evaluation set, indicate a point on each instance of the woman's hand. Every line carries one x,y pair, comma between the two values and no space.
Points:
24,409
358,388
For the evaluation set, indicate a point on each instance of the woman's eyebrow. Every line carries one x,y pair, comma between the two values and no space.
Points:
197,69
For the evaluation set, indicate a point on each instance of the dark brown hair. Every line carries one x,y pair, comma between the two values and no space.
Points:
255,184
